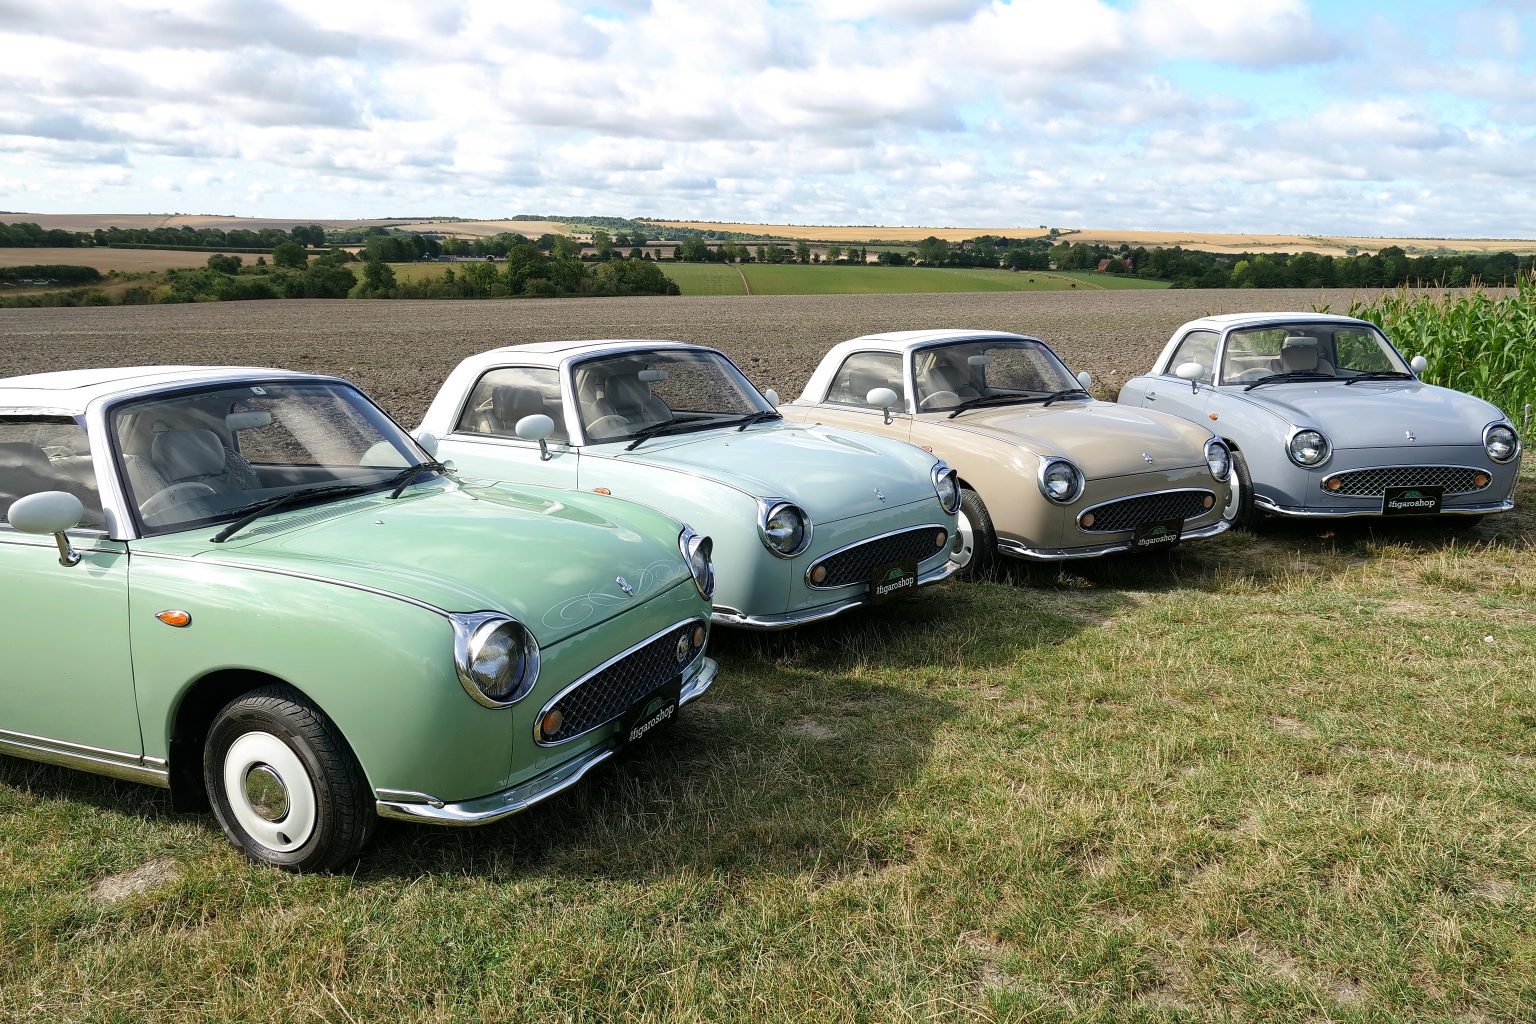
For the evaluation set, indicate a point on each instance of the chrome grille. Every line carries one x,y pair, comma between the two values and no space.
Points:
856,564
1373,483
1129,513
613,689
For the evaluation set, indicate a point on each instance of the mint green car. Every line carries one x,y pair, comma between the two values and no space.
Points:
254,588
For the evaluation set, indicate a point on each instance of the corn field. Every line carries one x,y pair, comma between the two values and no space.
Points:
1474,342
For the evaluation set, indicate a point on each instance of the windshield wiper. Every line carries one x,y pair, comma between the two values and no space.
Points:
1378,375
655,429
255,510
971,403
757,417
1280,378
1068,393
402,479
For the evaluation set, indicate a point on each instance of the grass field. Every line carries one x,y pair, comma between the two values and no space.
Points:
104,259
791,279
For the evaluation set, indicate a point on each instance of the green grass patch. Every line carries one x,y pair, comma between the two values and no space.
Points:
705,278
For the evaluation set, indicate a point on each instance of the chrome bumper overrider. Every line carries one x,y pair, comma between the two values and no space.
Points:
1017,550
483,810
724,616
1481,509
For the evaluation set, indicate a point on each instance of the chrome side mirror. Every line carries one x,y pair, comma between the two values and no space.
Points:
49,512
536,428
772,396
1191,372
882,398
427,440
1085,380
1418,364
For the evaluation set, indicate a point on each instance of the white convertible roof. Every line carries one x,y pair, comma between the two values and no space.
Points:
69,392
1226,321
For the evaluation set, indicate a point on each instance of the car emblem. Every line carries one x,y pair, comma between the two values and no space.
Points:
879,494
624,585
684,648
1147,458
1409,435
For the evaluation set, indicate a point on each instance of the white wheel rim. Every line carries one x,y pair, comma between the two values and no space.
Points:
268,757
967,551
1234,500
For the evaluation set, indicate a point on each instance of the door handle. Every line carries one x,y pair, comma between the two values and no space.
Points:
1151,396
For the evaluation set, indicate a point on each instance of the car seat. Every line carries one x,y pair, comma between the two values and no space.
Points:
199,456
1301,354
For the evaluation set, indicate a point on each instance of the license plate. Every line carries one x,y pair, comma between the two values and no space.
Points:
1162,534
892,580
1412,501
648,715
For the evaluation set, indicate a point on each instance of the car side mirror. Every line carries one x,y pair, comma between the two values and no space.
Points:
1418,364
882,398
1191,372
536,428
1085,380
49,512
427,440
772,396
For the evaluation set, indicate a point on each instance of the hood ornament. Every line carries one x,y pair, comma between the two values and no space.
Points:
629,591
1146,458
1409,435
879,494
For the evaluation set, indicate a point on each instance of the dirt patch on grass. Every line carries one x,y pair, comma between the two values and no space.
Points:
151,875
1293,727
811,730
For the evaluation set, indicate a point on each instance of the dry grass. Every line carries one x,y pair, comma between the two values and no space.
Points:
103,259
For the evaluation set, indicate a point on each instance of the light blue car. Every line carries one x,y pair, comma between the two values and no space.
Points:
1326,419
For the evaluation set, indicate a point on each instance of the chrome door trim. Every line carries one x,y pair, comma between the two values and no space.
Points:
114,763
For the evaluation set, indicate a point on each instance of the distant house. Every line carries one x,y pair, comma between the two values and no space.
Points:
1125,262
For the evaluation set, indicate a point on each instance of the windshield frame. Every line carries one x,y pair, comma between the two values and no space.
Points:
1332,326
103,417
909,369
576,423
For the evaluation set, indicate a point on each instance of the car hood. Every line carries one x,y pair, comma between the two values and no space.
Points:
1379,414
829,472
1102,438
548,557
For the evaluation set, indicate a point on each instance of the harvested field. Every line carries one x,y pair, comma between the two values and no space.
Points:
103,259
400,351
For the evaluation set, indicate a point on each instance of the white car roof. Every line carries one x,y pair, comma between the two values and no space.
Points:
1226,321
553,353
69,392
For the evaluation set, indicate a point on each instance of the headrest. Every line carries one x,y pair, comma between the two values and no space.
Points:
510,403
185,454
238,421
626,392
16,455
1299,354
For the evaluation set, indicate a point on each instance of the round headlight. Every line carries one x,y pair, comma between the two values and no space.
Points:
1218,458
946,484
496,658
696,552
785,529
1500,442
1307,448
1061,482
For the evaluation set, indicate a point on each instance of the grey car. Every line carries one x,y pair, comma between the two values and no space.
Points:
1326,419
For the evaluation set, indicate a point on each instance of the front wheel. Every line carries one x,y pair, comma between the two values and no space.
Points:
1240,510
977,556
283,783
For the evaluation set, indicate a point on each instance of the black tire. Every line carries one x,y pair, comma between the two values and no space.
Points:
1241,511
982,543
322,791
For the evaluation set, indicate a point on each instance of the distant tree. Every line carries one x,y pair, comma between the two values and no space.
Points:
635,253
834,253
566,247
222,264
290,254
603,243
932,250
803,251
693,250
378,278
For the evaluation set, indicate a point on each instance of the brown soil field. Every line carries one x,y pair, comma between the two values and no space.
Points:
92,221
400,351
103,259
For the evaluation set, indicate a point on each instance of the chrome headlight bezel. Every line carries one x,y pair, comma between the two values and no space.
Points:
1514,442
768,509
473,658
946,485
1077,480
1216,450
697,552
1324,447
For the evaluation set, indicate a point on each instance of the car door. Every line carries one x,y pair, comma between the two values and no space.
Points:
1178,397
846,404
67,683
484,442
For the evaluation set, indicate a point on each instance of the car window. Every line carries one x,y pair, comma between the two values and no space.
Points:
675,389
507,394
1362,352
861,373
48,453
1197,347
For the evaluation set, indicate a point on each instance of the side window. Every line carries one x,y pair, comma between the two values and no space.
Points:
48,453
1197,347
502,397
861,373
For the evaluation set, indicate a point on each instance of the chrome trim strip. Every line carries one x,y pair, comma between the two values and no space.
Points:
113,763
1323,483
1268,505
725,616
364,588
1017,550
1143,494
690,667
404,805
948,536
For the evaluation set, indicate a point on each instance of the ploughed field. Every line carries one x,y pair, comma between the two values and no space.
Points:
1274,778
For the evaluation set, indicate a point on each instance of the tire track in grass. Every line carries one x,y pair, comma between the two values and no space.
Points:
747,287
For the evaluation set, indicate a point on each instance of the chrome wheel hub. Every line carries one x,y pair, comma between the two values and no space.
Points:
266,794
967,535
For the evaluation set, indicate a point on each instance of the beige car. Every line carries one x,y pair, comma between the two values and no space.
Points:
1047,472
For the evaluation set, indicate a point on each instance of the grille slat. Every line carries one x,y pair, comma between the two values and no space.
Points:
1129,513
1373,483
609,693
855,564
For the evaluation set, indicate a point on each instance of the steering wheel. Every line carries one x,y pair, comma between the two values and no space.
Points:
931,401
175,494
1256,373
607,426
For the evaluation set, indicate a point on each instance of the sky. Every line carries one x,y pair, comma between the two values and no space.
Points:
1376,117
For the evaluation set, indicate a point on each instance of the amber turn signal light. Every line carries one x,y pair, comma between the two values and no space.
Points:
551,722
818,574
175,617
1481,479
601,490
1208,501
1334,484
698,636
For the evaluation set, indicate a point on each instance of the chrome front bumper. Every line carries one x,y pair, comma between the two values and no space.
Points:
1017,550
421,807
1300,512
724,616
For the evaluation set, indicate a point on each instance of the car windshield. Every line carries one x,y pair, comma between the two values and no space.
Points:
1306,351
635,394
203,456
952,375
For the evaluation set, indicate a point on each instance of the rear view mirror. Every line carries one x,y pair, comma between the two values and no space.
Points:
1191,372
1085,380
49,512
772,396
427,440
1418,364
882,398
536,428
